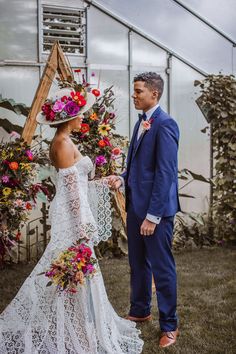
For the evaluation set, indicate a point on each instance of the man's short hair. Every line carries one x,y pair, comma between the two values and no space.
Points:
152,80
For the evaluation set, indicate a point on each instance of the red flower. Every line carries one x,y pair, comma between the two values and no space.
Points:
96,92
107,141
13,166
18,236
85,128
64,99
77,70
78,98
102,143
28,206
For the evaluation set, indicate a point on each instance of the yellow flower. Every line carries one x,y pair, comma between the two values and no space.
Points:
6,191
4,155
25,166
103,129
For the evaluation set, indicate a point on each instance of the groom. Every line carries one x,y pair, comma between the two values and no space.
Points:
151,189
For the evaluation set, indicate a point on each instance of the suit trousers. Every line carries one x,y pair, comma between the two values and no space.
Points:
152,255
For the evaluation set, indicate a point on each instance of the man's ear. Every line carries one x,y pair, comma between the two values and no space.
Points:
156,95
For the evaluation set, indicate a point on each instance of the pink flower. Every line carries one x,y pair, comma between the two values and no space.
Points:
100,160
14,135
58,106
18,202
146,125
116,151
5,179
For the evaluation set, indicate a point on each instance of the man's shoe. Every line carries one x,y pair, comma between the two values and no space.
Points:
139,319
168,338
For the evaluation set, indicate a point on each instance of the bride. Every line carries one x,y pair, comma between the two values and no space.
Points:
39,319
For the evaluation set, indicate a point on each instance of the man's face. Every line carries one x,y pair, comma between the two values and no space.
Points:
144,97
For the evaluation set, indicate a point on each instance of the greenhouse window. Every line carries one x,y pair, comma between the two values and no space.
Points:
68,26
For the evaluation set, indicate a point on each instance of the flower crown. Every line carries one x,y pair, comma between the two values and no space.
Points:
65,107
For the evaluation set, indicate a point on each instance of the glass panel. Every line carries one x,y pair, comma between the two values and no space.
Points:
194,149
163,101
146,53
220,13
169,24
119,78
18,30
19,83
72,3
107,39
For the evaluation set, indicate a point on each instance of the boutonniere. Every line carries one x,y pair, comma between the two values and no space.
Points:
146,124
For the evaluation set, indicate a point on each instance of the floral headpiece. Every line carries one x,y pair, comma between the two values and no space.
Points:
67,103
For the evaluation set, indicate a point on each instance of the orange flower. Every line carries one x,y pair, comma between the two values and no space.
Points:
85,128
101,143
116,151
13,165
96,92
93,116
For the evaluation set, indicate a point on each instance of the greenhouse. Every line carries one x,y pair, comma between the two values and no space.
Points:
105,44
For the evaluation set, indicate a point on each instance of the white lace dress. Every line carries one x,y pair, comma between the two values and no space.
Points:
39,320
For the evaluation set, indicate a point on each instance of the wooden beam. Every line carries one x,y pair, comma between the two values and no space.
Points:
56,63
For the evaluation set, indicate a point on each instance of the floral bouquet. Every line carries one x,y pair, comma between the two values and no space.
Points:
72,267
18,191
96,136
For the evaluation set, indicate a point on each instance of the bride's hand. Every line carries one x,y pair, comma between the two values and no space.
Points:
114,182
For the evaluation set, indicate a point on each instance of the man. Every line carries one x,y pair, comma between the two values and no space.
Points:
151,188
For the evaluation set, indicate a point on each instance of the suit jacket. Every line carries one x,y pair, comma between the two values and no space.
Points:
151,177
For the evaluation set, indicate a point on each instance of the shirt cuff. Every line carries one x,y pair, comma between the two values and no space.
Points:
153,218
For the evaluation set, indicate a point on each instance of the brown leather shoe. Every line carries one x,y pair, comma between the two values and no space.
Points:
168,338
139,319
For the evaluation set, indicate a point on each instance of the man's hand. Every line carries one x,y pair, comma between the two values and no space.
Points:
147,228
114,182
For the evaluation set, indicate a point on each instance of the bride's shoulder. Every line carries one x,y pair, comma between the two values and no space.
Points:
61,152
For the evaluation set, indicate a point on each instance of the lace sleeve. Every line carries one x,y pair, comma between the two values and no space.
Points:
72,216
67,219
99,200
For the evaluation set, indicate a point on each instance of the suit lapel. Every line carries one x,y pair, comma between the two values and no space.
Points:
132,143
154,116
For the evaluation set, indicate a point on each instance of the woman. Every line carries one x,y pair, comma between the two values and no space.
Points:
39,319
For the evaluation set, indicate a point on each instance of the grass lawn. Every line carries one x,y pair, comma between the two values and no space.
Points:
206,299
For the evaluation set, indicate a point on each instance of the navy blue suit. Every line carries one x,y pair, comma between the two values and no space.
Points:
151,186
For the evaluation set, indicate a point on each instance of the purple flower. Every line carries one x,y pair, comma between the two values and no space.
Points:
101,109
5,179
112,115
71,108
100,160
29,154
92,74
58,106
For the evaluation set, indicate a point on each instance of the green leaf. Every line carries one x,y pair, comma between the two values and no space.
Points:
18,108
49,283
186,195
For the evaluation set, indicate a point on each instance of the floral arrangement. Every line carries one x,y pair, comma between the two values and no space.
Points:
72,267
96,136
18,191
65,107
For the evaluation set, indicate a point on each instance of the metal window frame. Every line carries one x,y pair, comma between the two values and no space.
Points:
41,8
